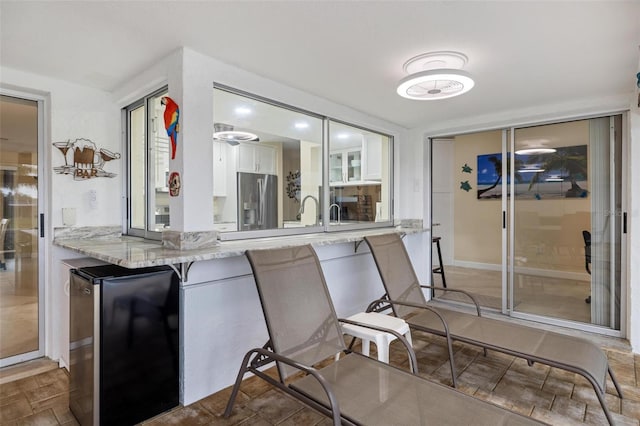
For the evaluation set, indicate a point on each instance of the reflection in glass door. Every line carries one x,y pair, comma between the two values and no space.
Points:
565,251
20,336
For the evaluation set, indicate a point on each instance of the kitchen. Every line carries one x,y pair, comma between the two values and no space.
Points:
267,174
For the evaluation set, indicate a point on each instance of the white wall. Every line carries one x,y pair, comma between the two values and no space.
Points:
77,112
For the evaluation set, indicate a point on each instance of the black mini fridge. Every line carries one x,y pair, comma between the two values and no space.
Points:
123,349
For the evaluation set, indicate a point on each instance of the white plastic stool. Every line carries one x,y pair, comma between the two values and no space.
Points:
381,338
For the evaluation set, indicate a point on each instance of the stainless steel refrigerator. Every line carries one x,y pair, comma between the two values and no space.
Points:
257,201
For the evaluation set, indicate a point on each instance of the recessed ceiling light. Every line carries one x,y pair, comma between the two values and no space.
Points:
342,136
243,111
533,151
301,125
435,75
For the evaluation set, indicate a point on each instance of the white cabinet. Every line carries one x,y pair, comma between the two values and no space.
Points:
336,167
372,158
345,166
220,160
257,158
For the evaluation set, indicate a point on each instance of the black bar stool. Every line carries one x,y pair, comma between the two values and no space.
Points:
439,269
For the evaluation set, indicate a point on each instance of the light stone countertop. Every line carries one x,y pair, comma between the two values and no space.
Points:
135,252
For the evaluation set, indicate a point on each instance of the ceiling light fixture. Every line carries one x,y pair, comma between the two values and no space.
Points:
243,110
435,75
534,151
225,132
531,170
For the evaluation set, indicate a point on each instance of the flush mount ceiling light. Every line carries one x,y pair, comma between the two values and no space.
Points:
435,75
534,151
225,132
532,169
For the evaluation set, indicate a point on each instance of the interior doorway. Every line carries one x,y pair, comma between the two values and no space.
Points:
21,336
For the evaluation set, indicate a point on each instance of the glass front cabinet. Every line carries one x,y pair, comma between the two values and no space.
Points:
345,166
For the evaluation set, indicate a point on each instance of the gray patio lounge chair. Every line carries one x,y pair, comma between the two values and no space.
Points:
304,330
404,295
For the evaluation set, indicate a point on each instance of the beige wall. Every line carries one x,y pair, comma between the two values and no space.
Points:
548,233
477,223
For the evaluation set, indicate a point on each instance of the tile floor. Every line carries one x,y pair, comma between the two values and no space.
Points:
541,295
554,396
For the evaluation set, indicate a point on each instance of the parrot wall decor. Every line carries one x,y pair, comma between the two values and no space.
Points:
171,117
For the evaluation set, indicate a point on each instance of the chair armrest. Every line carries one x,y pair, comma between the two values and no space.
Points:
333,401
412,355
469,295
419,306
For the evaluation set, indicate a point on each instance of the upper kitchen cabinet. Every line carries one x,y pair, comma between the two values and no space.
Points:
345,166
357,156
257,158
372,157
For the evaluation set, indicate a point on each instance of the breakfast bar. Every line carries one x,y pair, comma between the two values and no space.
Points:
220,315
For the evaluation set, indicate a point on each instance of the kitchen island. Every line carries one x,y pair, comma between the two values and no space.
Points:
220,316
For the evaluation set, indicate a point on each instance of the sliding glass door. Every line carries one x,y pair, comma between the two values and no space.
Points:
567,221
21,307
531,220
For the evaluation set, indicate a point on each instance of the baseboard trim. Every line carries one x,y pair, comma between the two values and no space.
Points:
547,273
26,369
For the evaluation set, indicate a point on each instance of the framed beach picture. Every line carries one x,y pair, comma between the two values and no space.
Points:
544,176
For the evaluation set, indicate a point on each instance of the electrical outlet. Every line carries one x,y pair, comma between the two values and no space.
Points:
68,216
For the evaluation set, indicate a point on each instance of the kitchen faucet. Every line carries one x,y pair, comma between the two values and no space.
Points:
317,211
337,208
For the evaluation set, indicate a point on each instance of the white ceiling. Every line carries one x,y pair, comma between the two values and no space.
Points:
521,54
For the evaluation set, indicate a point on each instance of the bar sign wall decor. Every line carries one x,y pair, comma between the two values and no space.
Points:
87,160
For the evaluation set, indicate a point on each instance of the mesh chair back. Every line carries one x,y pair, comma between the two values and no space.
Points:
300,317
397,273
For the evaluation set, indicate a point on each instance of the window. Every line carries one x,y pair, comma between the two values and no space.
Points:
276,169
148,153
359,165
269,174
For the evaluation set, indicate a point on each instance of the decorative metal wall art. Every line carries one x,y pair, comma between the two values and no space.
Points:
293,185
87,160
